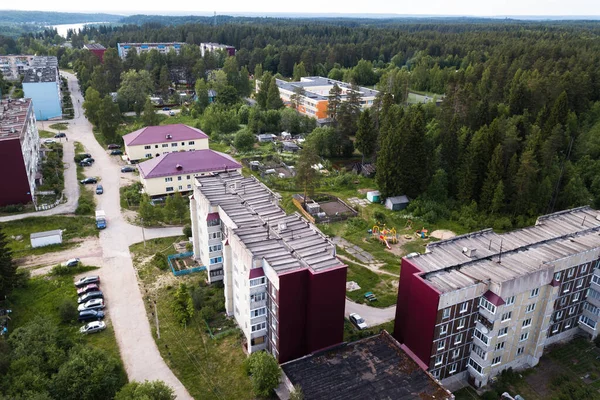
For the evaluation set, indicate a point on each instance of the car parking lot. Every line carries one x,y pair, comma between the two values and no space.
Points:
91,304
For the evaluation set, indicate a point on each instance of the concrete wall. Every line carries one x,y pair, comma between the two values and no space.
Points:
46,99
140,152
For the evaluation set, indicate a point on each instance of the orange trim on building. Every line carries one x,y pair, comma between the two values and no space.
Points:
322,109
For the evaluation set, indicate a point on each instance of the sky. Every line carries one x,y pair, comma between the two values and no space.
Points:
402,7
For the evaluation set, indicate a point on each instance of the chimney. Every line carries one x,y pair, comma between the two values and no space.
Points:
179,167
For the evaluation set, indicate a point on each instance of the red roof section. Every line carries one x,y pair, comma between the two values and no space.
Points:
158,134
189,162
212,216
256,273
493,298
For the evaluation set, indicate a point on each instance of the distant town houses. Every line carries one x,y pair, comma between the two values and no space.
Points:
164,48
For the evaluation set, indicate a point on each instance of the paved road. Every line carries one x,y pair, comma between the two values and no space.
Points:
373,316
124,300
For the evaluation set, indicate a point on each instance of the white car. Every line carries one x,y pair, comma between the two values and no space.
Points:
358,321
73,262
93,327
49,141
94,304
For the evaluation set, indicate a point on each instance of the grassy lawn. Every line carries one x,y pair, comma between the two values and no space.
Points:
73,227
385,287
46,134
352,333
42,297
208,368
60,126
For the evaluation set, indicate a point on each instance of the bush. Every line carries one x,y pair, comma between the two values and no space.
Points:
67,311
187,231
12,208
490,395
379,217
208,313
60,270
264,371
159,260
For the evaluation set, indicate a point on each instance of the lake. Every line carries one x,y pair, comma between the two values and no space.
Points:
62,29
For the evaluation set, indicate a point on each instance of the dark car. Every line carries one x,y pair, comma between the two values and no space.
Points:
88,181
90,315
116,153
166,108
127,169
60,134
113,146
86,280
84,155
99,189
85,164
97,294
88,160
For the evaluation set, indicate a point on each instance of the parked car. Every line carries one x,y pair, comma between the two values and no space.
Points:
92,287
88,159
93,327
88,181
358,321
84,298
113,146
86,280
116,153
49,141
172,113
85,164
73,262
99,189
60,134
84,155
90,315
94,304
166,108
127,169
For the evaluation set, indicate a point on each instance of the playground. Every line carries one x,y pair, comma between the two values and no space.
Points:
394,241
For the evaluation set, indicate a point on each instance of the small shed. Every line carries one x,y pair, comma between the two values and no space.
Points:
286,135
290,146
396,203
40,239
374,196
265,137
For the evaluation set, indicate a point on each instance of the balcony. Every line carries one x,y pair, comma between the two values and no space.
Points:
485,322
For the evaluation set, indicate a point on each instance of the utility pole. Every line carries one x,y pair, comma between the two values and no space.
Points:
143,233
156,315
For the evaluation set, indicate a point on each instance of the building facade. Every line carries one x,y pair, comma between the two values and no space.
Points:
12,67
175,172
208,47
283,283
97,49
479,303
162,48
19,151
153,141
312,94
41,83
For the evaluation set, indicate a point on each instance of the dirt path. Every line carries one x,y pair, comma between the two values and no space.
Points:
88,250
372,267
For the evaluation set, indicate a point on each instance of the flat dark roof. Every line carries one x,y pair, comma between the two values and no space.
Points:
372,368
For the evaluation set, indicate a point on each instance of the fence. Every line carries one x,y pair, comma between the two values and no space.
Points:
186,271
42,207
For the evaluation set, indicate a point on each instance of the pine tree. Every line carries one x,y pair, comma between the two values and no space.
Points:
274,101
366,135
306,176
497,204
299,71
263,90
202,100
333,105
390,151
8,269
414,167
493,177
526,185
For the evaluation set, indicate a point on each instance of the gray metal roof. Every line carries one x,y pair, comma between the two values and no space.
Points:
398,200
503,257
286,242
311,81
38,235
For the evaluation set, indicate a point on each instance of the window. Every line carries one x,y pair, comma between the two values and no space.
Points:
464,307
530,308
148,155
179,178
555,328
262,296
510,301
576,297
446,313
503,331
180,187
482,337
436,374
165,145
526,323
559,315
439,359
568,324
173,144
563,301
183,143
169,179
475,366
259,312
596,279
520,350
258,281
191,143
189,186
587,321
188,177
496,360
461,323
458,338
479,351
169,189
214,235
147,147
506,316
441,344
571,273
453,368
583,268
487,305
456,354
535,292
524,336
259,327
591,308
216,260
216,247
443,329
579,283
557,276
156,146
499,346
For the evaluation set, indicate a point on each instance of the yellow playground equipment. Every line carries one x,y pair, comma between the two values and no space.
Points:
386,235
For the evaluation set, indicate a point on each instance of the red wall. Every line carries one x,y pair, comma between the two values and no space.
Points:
416,312
99,54
311,311
15,185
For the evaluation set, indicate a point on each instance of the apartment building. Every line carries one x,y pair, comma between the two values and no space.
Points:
208,47
19,151
315,91
283,283
41,83
162,48
479,303
12,67
152,141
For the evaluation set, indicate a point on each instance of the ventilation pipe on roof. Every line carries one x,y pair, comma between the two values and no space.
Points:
179,167
169,136
469,252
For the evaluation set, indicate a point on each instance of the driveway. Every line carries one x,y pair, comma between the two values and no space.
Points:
140,355
373,316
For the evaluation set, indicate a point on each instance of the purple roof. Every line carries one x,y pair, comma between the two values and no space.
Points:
187,162
493,298
212,216
256,273
158,134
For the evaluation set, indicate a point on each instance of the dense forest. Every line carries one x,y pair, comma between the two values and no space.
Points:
517,133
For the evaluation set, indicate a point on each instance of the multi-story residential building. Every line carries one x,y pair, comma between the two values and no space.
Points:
283,283
19,151
97,49
41,84
12,67
175,172
312,94
152,141
207,47
479,303
162,48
